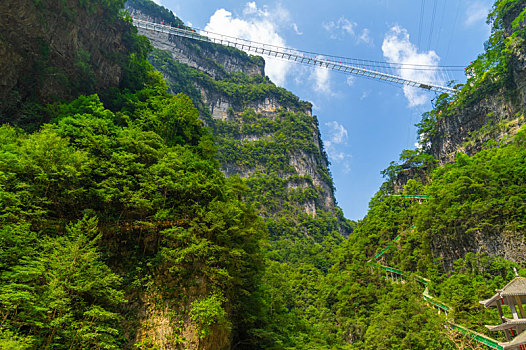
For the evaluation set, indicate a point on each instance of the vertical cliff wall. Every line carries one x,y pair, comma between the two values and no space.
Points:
472,135
491,106
264,133
52,50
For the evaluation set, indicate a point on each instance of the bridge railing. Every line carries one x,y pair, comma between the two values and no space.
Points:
289,54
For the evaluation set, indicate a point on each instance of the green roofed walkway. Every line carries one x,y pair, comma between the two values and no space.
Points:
412,197
397,274
481,338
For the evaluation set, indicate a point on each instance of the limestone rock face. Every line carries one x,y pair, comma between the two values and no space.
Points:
510,245
219,62
213,60
497,116
57,49
264,135
493,117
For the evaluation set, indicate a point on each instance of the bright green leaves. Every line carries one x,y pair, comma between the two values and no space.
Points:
81,293
401,320
476,203
221,242
58,290
132,169
179,122
11,341
207,313
40,172
482,193
175,119
147,174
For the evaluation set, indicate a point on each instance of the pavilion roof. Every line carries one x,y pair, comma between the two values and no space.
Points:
517,286
510,323
519,340
491,301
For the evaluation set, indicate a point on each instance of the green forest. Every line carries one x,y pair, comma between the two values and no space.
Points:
115,212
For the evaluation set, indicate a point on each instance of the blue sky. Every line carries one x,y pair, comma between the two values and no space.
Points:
365,124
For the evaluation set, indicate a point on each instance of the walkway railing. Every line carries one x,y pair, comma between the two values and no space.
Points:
329,62
434,302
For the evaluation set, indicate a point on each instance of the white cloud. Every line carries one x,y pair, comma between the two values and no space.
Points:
338,136
322,80
296,30
397,48
256,24
365,94
345,27
350,80
337,133
250,8
365,37
339,28
158,2
476,13
319,79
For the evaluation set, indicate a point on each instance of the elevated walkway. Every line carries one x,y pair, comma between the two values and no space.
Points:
363,68
437,304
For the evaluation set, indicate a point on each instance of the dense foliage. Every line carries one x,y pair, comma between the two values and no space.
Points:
101,208
166,213
494,73
77,61
317,290
267,148
114,214
159,14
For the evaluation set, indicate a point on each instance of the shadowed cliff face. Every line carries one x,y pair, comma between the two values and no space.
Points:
466,131
55,49
494,115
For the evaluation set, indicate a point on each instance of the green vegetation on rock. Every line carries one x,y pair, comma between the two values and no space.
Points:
118,228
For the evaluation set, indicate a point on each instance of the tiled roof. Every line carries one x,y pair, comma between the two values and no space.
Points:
491,301
516,287
510,323
519,340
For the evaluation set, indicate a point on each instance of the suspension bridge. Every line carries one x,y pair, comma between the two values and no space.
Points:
377,70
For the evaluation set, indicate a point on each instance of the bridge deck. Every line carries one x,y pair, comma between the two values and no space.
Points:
289,54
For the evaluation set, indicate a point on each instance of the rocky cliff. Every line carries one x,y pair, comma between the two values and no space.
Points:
497,117
251,119
491,106
113,194
215,60
265,135
483,121
52,50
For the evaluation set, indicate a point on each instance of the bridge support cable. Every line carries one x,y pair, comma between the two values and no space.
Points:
356,67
